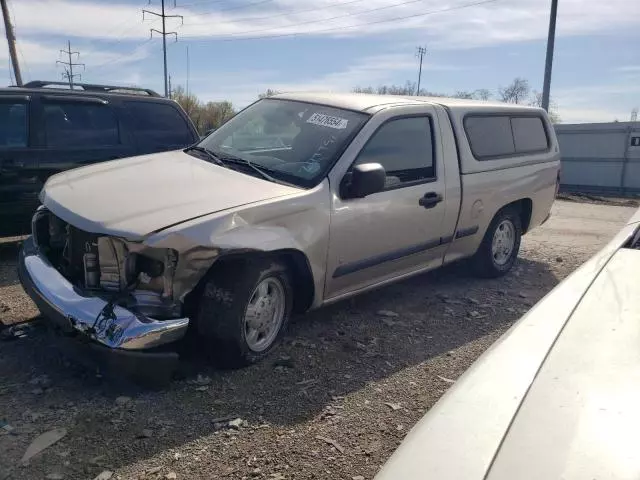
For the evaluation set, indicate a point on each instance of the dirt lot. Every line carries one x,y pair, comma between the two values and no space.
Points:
333,402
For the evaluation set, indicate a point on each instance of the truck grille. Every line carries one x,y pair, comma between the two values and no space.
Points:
64,245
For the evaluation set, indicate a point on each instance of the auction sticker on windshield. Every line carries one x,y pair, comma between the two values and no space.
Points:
328,121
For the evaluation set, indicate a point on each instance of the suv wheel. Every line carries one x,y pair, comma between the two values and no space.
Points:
244,310
500,245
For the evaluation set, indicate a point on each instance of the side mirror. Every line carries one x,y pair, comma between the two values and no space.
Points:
366,179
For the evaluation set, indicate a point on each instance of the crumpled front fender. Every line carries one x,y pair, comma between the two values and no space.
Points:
302,226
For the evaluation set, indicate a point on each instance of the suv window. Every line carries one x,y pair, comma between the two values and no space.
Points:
404,147
77,124
493,136
158,126
14,122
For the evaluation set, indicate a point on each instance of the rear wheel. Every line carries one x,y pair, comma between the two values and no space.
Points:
244,310
500,245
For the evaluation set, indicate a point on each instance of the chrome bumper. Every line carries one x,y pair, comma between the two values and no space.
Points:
117,328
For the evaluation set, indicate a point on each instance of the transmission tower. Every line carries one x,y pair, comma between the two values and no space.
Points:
420,53
164,34
68,66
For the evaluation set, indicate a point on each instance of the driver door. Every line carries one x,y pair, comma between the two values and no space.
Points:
393,232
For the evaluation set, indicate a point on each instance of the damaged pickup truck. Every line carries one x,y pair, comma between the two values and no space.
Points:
298,201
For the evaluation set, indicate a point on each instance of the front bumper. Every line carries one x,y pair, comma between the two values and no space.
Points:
73,311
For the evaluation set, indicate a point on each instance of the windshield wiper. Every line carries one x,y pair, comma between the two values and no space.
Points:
209,154
225,157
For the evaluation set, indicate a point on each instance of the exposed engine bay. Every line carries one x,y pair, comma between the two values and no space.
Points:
127,273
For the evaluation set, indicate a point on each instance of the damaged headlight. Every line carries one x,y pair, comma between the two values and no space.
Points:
138,265
125,265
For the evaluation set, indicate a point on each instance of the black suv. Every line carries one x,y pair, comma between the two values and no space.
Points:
45,129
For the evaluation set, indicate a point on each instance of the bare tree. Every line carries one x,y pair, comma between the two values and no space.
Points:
409,88
482,94
536,101
268,93
464,94
216,113
363,90
516,92
204,116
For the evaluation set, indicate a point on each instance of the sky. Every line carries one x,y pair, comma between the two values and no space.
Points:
235,49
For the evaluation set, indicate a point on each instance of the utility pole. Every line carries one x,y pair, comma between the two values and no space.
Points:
549,60
420,54
68,66
164,34
170,91
11,40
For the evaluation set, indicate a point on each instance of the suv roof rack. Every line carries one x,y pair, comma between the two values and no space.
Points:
88,87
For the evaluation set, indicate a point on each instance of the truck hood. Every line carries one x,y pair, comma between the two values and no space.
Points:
136,196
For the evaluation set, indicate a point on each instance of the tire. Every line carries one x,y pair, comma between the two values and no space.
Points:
230,293
485,263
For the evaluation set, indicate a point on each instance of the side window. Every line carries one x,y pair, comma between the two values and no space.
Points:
529,134
404,147
14,124
77,124
493,136
158,126
489,136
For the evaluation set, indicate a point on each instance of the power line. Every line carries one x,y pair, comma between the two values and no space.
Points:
124,55
164,34
129,27
200,3
285,14
344,15
236,7
68,66
239,36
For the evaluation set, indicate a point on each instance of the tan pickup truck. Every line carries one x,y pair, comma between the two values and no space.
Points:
298,201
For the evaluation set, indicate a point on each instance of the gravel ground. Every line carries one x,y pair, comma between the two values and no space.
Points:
333,402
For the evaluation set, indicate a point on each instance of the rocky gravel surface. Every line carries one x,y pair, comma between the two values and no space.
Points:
332,403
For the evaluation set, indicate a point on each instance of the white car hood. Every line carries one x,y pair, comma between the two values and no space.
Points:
556,397
136,196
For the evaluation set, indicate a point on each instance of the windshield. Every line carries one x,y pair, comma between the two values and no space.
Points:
293,141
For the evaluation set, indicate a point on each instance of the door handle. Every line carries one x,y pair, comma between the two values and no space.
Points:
430,200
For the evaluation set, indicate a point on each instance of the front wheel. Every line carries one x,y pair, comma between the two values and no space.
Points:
244,310
500,245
